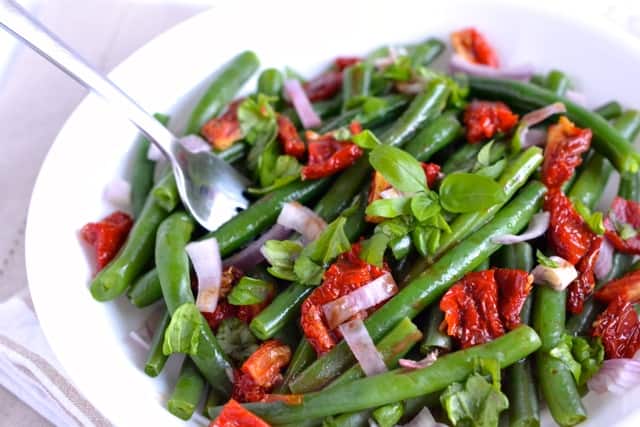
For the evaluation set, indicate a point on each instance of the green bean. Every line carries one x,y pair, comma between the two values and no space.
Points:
146,290
607,141
591,182
557,82
270,82
134,256
187,391
538,80
301,359
515,176
415,404
143,169
628,124
554,377
463,159
434,338
426,52
228,81
356,80
388,415
233,153
394,105
165,192
173,270
213,399
156,358
397,385
611,110
429,286
434,136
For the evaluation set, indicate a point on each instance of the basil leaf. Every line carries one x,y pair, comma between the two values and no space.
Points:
400,246
563,352
437,221
183,333
484,155
365,139
396,227
400,70
425,239
493,171
308,272
250,291
342,134
236,340
594,220
265,141
256,116
424,205
399,168
276,174
373,249
545,260
388,415
466,192
281,254
589,354
389,208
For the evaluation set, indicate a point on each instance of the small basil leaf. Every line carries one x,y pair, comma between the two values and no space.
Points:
256,116
265,142
250,291
465,192
545,260
308,272
399,168
400,70
389,208
437,221
366,139
484,155
183,332
563,352
425,239
396,227
373,249
400,246
594,220
493,171
281,254
425,205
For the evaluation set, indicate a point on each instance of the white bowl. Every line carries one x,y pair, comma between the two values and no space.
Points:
166,75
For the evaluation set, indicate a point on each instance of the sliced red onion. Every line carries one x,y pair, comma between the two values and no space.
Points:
391,193
154,153
419,364
532,137
410,88
605,260
301,219
194,144
118,193
557,278
538,116
251,256
205,257
537,227
521,72
359,341
301,103
617,376
576,97
373,293
424,419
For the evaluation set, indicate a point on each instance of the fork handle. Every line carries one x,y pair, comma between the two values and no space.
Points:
22,25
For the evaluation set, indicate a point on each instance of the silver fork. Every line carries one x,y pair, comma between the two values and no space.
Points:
210,189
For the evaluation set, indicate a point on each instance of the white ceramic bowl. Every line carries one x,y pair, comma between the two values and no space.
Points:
90,338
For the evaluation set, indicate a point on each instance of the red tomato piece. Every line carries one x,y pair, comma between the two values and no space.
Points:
345,275
431,173
245,388
107,236
328,156
568,235
291,142
261,371
484,119
483,304
472,45
562,154
627,287
323,87
224,310
355,127
623,213
221,132
581,288
343,62
235,415
619,328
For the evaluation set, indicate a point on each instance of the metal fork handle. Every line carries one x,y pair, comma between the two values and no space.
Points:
21,24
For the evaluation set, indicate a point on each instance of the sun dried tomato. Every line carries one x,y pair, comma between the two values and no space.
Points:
431,173
480,306
627,287
245,388
224,310
619,328
484,119
291,142
325,86
355,127
289,399
261,371
472,45
343,62
345,275
221,132
235,415
562,154
107,236
581,288
230,276
328,156
624,213
568,235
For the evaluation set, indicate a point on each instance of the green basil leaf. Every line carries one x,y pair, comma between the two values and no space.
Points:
425,239
484,155
389,208
594,220
308,272
342,134
236,340
264,142
493,171
399,168
373,249
400,70
281,254
366,139
466,192
563,352
545,260
589,354
256,116
279,182
437,221
424,205
400,246
250,291
278,173
184,330
388,415
396,227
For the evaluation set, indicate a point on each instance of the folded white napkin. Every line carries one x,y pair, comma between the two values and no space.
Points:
29,370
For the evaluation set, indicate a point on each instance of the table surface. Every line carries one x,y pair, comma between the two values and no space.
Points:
37,98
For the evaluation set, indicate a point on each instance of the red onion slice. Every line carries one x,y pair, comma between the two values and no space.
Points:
391,193
532,137
301,103
419,364
410,88
251,256
359,341
194,144
205,257
521,72
373,293
301,219
535,117
605,260
118,193
424,419
537,227
557,278
154,153
617,376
